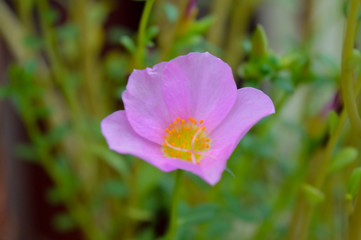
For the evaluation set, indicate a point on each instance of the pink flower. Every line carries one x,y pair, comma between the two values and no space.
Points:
185,114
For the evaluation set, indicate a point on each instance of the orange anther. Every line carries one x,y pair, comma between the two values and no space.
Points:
208,140
197,163
173,143
196,129
192,120
167,130
203,144
201,121
197,139
189,153
203,139
165,150
183,121
182,145
173,130
207,146
175,122
187,128
179,136
177,154
165,144
203,128
165,137
189,159
172,154
170,125
186,142
178,119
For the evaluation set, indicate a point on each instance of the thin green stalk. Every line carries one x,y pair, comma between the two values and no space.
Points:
240,19
303,210
173,224
172,31
355,219
141,41
13,33
59,72
220,10
347,69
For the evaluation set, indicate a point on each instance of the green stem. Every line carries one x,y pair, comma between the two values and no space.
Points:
240,19
355,219
303,210
172,229
220,9
141,41
347,69
13,32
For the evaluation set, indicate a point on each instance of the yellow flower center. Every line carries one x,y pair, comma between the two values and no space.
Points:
186,139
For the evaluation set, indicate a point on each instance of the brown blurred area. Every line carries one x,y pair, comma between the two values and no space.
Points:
6,220
25,213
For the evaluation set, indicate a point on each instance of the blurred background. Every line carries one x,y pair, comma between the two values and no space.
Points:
64,65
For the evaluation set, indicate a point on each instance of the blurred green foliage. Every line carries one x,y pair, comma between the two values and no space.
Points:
295,172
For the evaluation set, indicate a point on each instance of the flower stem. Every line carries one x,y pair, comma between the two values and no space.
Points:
355,219
173,224
347,69
141,41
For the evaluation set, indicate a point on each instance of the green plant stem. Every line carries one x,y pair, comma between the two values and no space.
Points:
141,41
13,33
240,19
171,32
173,224
347,69
220,10
303,210
59,72
355,219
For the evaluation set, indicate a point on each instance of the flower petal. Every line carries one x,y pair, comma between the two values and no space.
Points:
199,85
211,167
123,139
144,103
250,107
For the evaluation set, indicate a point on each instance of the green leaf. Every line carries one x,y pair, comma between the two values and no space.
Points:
5,91
342,159
201,26
113,159
128,43
33,42
56,134
171,12
313,195
27,152
114,188
284,83
354,182
259,42
230,172
152,32
198,214
63,222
